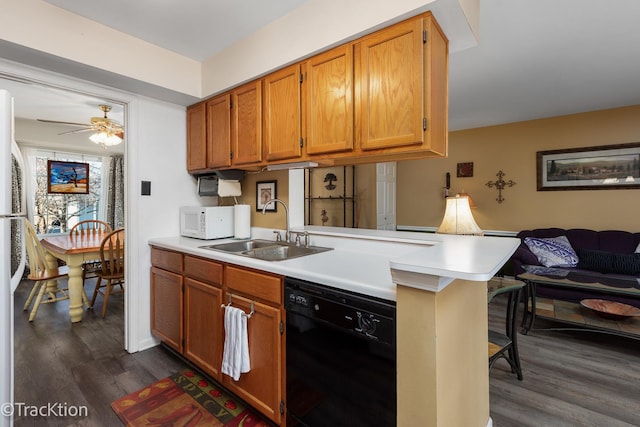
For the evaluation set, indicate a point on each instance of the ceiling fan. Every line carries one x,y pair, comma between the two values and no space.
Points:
99,125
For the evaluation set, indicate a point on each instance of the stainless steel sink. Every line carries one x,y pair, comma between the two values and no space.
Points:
266,250
240,245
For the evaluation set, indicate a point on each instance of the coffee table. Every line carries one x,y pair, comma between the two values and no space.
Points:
572,314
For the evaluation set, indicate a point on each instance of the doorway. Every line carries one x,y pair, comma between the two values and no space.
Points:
54,99
386,195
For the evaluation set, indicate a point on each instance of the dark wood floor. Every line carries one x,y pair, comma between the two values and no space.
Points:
80,364
570,379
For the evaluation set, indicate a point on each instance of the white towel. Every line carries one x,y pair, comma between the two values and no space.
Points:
235,357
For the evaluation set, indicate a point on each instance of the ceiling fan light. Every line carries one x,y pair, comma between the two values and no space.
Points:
107,139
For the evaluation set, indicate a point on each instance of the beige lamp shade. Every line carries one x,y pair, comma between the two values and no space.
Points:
458,218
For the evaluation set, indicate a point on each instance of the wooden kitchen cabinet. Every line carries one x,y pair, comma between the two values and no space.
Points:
283,121
219,132
203,314
402,89
187,293
186,298
246,125
329,101
203,326
263,387
196,137
166,296
166,307
226,130
382,97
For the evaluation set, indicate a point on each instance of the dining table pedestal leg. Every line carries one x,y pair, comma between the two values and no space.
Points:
76,289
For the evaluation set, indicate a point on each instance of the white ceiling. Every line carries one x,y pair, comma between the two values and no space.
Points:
534,59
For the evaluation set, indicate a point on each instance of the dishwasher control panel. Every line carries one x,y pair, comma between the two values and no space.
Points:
364,316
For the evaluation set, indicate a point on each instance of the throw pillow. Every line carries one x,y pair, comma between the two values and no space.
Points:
553,252
594,260
626,264
638,249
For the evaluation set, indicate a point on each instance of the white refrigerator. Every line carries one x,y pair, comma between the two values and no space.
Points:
8,282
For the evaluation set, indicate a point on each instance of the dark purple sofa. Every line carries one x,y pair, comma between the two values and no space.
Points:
610,243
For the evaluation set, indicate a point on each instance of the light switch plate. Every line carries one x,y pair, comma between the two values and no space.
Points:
146,188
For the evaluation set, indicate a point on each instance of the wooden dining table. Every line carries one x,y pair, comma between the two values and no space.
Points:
74,251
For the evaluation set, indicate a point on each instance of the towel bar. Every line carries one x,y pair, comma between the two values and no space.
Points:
248,316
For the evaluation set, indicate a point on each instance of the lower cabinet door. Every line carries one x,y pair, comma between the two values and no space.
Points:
263,386
203,326
166,307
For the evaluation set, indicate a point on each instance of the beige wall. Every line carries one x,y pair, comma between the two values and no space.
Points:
512,148
270,219
366,196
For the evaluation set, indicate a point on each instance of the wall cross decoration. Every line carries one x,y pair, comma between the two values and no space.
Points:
500,184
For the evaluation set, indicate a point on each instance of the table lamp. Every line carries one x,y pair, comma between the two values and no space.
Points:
458,218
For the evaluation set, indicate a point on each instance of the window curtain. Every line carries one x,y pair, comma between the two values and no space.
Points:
17,192
115,192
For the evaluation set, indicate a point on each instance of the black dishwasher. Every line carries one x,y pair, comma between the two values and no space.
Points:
341,357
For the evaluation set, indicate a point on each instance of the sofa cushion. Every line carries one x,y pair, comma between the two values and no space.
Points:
591,259
609,262
553,252
626,264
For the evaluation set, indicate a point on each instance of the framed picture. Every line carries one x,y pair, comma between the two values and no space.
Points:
67,177
465,170
265,191
589,168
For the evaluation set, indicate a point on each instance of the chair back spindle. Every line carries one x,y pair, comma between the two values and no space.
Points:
112,254
91,227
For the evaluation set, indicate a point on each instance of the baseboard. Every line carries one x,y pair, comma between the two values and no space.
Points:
145,344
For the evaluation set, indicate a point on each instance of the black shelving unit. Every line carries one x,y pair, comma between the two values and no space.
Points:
346,197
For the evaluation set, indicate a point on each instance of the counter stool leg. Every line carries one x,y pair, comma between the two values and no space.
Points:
514,356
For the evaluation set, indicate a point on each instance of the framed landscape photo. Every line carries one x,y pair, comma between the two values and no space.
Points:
589,168
67,177
265,191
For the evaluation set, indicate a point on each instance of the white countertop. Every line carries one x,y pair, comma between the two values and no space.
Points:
361,260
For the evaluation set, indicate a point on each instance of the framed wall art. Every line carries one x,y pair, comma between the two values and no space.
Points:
265,191
67,177
464,170
589,168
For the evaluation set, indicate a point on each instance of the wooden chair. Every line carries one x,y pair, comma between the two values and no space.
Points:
112,271
40,273
90,268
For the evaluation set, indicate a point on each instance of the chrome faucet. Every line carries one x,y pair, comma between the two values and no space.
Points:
287,236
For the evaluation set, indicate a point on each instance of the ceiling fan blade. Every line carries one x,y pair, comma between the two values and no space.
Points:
63,123
89,129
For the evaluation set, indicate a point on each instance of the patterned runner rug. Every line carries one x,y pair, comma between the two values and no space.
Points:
184,399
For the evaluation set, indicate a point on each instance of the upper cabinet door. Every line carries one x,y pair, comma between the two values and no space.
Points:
391,86
282,114
219,131
329,90
196,137
246,108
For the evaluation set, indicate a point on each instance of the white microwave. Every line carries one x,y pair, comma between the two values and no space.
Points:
206,222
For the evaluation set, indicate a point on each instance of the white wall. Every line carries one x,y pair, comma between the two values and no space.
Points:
160,157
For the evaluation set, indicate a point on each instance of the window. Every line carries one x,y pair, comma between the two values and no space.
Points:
57,213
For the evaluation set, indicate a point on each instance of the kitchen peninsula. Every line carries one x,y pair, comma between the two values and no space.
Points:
439,285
